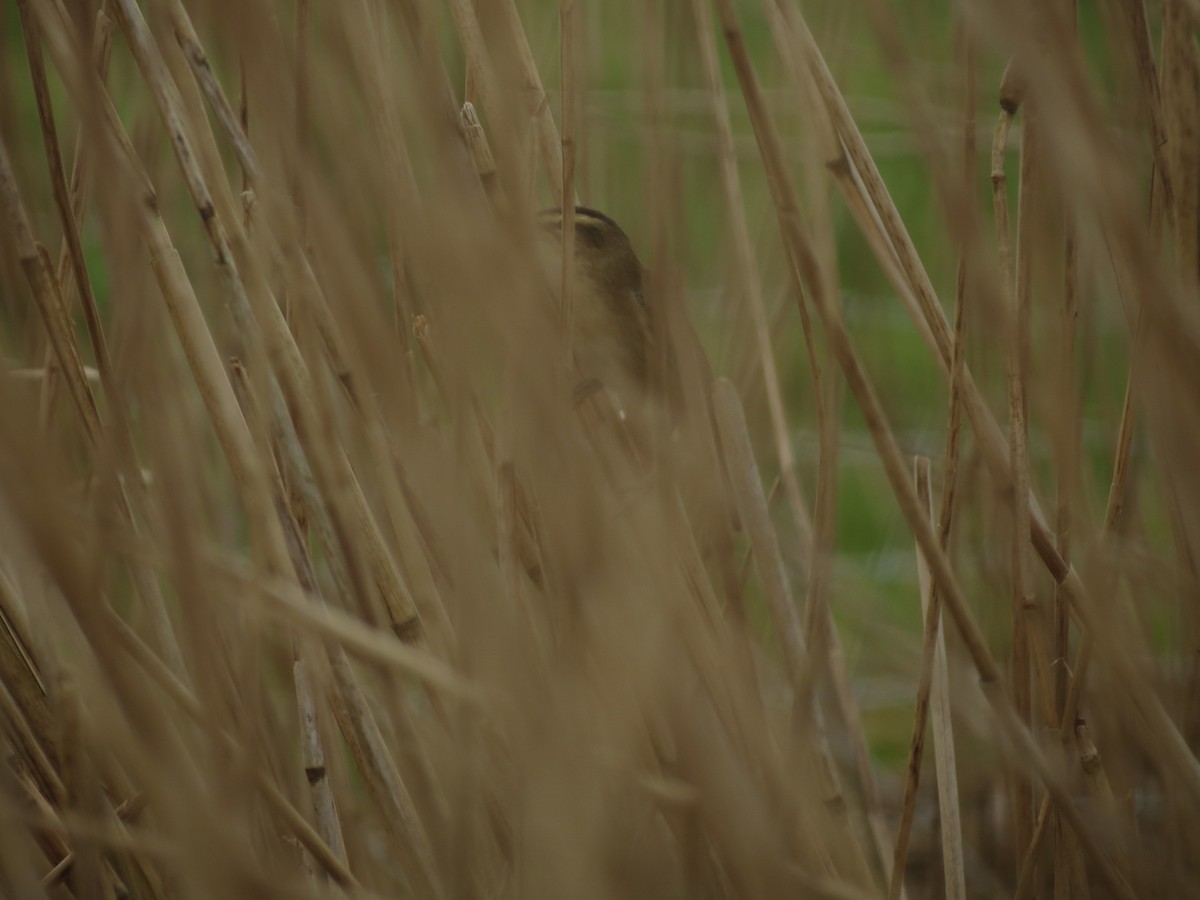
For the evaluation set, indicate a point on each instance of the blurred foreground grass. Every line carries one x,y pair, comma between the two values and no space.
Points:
319,580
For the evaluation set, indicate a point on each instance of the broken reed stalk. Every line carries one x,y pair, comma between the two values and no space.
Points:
484,162
481,72
324,805
154,669
537,104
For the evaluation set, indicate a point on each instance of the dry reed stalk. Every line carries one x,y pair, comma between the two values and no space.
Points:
90,875
57,318
934,683
505,496
303,81
35,264
366,743
1010,97
182,696
746,272
826,645
752,510
857,379
1065,441
285,600
54,844
324,805
799,248
511,550
1138,35
130,705
480,70
101,51
1180,93
27,713
570,101
46,373
349,374
1024,603
1093,769
485,82
537,105
872,230
1180,89
824,141
1117,211
233,128
1069,712
485,163
1026,638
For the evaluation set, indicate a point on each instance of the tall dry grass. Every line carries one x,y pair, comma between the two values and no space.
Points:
320,577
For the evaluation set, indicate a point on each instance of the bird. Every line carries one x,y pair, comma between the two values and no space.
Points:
612,330
624,340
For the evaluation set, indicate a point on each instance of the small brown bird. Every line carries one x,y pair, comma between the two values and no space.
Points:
653,362
612,328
